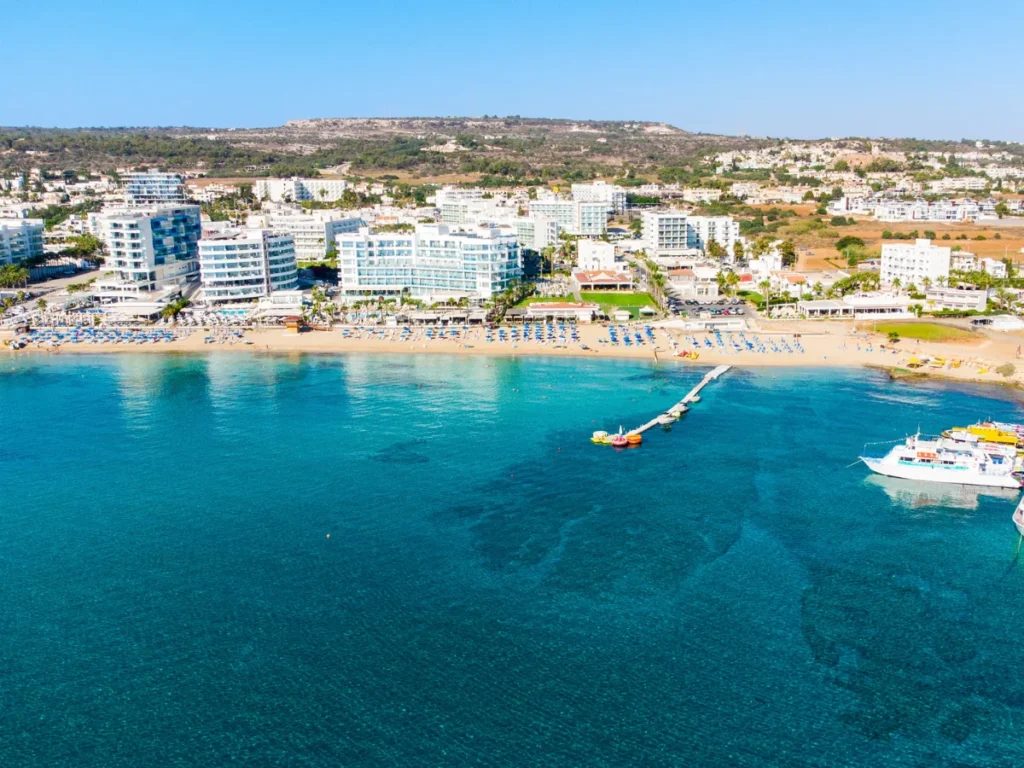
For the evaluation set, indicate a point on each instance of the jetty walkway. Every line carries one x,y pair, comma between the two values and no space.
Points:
683,405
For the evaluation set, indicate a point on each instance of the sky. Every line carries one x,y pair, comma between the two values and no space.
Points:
789,68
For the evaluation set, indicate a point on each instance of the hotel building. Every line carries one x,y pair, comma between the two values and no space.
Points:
431,263
572,216
150,250
676,233
20,239
665,233
537,232
297,190
315,232
612,195
459,212
701,230
144,188
246,264
911,264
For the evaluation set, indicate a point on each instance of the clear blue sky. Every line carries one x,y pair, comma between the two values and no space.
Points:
933,69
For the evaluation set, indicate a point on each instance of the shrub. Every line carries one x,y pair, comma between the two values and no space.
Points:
1006,370
946,236
847,241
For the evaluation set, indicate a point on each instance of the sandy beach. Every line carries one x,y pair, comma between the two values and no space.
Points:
835,344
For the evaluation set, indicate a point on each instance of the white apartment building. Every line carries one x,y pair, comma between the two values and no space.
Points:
451,194
698,282
595,256
432,263
724,230
612,195
744,189
472,212
665,233
863,206
296,190
911,264
537,232
573,216
150,249
673,233
993,267
20,239
701,195
210,192
315,232
963,183
959,299
963,261
246,264
145,188
921,210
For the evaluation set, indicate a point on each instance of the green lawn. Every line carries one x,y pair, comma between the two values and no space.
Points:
539,299
924,331
615,300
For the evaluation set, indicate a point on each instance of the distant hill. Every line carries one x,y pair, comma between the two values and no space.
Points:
494,149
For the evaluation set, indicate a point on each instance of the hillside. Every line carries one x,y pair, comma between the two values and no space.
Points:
509,149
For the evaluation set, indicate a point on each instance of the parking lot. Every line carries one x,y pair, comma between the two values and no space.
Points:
724,307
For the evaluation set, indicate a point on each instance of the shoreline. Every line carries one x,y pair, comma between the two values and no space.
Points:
828,350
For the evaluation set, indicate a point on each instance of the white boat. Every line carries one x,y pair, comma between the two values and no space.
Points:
1018,517
941,460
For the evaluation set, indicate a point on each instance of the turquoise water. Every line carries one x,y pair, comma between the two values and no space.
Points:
495,590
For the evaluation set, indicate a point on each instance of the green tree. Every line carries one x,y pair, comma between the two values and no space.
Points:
716,251
766,291
788,252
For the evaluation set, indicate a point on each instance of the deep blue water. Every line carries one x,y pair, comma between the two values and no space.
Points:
495,589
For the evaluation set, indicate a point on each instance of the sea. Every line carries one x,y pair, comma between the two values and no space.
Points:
378,560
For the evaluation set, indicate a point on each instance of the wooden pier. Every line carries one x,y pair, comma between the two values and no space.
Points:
683,405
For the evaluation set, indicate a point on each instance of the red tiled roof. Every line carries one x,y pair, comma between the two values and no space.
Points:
602,276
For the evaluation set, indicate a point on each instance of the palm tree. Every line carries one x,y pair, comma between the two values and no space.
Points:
766,287
547,254
926,282
1004,297
733,280
896,283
